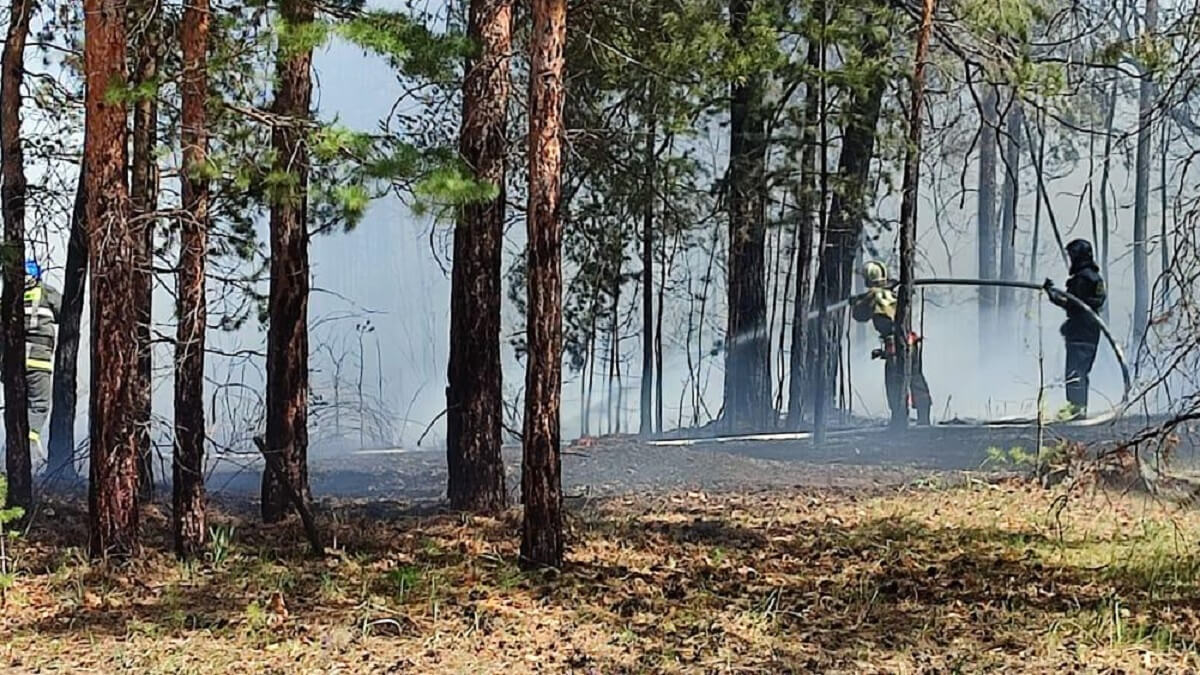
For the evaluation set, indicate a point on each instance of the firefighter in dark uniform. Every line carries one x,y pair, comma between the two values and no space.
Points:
878,305
1080,331
42,306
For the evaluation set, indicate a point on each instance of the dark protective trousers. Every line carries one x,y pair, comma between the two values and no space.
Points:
1080,357
893,374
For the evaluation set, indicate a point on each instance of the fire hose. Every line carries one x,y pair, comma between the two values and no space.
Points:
945,281
1075,302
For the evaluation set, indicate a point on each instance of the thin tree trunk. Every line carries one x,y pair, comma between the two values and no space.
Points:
1110,112
616,340
774,262
747,341
1141,200
18,460
1164,229
1015,124
698,400
805,226
818,383
541,474
474,403
143,196
591,362
112,495
609,412
287,335
658,335
986,216
65,390
1039,166
646,425
188,499
908,216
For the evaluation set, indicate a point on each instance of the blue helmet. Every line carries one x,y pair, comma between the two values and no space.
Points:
33,269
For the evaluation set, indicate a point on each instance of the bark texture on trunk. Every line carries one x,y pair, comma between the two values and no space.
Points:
65,390
143,196
18,461
807,200
1141,200
541,470
986,215
474,407
1014,125
287,334
844,226
112,494
747,342
908,217
188,500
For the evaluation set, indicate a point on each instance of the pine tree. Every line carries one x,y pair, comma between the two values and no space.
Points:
143,194
748,346
908,216
12,202
541,470
287,334
112,500
474,407
188,464
64,390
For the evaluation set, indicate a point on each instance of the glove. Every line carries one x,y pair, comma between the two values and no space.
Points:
877,354
1048,285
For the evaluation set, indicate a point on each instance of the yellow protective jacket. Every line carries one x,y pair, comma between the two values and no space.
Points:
42,305
877,305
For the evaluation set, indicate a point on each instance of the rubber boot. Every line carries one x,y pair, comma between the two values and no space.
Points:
923,417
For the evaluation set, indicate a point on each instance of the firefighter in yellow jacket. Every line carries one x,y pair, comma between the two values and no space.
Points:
42,305
878,305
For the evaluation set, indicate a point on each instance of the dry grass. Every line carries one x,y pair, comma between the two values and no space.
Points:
977,577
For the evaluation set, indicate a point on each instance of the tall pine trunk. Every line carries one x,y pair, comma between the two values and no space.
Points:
646,425
806,201
1141,200
112,494
747,342
908,216
18,461
985,215
1014,124
541,470
287,334
474,409
65,388
188,501
143,195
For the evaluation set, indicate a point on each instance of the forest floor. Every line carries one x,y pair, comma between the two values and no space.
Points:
934,574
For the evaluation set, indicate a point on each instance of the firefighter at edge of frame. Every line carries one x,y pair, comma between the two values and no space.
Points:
878,305
1079,331
42,306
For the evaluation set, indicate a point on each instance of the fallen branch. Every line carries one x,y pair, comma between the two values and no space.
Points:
275,465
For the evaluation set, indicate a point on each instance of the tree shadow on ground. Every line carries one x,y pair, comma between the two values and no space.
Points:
685,585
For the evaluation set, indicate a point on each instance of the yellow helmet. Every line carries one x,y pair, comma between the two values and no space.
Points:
874,273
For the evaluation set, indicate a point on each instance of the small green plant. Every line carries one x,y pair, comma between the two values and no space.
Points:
8,575
1067,413
256,617
1014,456
403,579
220,545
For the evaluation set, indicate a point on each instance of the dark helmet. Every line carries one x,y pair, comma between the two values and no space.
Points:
1080,252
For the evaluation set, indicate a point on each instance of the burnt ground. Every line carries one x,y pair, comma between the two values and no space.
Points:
863,458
